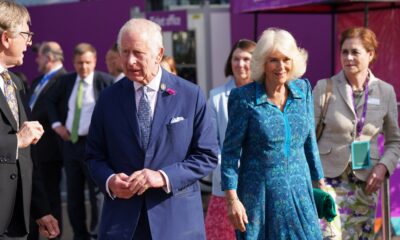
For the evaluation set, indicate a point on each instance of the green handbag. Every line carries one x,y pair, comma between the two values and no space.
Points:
325,204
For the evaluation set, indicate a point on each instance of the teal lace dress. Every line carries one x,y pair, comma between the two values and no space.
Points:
278,157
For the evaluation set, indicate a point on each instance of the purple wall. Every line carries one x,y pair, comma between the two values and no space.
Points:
95,22
312,32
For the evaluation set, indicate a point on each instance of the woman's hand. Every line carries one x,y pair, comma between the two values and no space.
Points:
376,178
319,184
237,214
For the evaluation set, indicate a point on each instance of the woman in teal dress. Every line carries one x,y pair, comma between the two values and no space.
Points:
271,132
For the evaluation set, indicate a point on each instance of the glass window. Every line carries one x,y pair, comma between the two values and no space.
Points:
158,5
184,51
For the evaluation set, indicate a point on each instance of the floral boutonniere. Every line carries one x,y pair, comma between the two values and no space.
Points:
169,91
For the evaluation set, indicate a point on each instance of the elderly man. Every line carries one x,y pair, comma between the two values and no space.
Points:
16,133
70,105
47,153
149,143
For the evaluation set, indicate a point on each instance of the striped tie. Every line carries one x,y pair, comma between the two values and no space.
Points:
9,93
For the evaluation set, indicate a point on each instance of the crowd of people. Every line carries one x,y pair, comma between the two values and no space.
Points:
140,138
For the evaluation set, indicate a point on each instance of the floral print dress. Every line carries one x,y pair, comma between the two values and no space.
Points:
278,157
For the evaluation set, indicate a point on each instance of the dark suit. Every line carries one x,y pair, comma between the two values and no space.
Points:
75,168
182,144
46,153
15,176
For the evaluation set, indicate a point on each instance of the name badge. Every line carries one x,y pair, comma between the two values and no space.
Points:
360,155
374,101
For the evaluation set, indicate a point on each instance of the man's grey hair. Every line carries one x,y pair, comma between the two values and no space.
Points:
52,50
12,17
145,27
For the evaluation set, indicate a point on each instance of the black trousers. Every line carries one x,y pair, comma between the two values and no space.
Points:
16,230
51,174
77,174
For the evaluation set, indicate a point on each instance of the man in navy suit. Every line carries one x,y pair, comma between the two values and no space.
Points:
47,153
70,105
149,143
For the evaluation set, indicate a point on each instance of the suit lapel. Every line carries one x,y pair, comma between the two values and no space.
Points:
34,84
70,86
127,99
51,82
21,109
21,106
162,108
372,89
96,87
345,91
46,87
7,111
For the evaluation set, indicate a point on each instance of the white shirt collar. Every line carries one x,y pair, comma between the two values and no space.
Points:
154,84
2,69
119,77
88,79
58,67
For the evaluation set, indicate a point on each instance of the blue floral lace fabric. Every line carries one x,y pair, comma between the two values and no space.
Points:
278,157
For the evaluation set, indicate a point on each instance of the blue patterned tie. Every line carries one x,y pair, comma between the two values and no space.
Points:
144,117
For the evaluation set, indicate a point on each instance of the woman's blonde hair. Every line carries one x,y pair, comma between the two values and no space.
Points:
272,40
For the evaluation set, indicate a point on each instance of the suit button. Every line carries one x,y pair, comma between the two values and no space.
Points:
13,176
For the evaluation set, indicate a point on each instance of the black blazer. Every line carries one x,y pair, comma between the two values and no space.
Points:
8,163
57,101
48,149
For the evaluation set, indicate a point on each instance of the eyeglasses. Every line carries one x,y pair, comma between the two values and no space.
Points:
27,35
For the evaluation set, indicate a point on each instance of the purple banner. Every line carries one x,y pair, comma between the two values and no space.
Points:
241,6
169,21
318,6
73,23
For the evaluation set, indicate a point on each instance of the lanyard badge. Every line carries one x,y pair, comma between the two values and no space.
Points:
360,150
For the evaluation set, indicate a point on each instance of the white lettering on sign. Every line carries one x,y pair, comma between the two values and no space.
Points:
171,20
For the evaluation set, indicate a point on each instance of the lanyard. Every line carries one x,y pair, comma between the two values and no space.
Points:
360,122
39,88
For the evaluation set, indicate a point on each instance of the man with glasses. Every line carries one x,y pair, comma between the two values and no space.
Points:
28,36
16,133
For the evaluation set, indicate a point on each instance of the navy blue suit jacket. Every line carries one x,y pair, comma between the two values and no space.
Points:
186,151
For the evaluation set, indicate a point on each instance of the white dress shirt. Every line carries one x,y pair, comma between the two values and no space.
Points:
88,103
119,77
152,90
2,69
